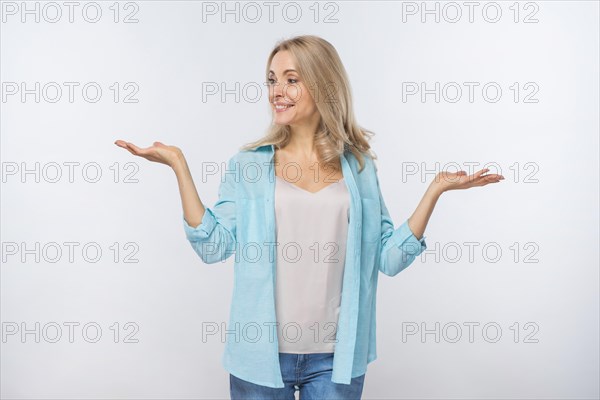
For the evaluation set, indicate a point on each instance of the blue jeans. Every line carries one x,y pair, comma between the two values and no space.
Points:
310,373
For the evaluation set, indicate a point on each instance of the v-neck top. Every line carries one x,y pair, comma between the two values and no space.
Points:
311,230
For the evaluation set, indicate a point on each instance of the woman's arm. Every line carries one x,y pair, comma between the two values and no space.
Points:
193,209
211,232
401,246
419,219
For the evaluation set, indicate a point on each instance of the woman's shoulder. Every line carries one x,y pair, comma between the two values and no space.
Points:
368,161
244,156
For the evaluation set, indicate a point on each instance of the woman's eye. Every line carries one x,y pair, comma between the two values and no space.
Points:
290,80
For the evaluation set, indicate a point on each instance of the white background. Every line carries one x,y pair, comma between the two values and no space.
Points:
552,203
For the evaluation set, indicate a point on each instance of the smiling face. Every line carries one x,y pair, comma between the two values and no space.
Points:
291,101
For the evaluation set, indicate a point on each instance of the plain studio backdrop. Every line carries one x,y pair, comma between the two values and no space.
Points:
103,296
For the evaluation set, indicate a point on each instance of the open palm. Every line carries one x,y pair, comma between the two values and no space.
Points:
158,152
460,180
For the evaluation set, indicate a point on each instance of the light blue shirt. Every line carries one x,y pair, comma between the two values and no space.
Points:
242,223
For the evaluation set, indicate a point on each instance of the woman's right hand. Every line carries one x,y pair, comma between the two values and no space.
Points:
158,152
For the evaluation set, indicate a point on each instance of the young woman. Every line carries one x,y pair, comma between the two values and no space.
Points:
303,212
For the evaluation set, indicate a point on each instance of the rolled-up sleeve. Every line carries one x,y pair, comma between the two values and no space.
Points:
214,239
399,246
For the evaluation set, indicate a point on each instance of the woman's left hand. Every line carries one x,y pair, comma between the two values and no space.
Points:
445,181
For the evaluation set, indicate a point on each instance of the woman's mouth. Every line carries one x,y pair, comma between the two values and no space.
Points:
282,107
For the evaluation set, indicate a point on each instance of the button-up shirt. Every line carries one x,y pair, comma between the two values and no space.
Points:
242,223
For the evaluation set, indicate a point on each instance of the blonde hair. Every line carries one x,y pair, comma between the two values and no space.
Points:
320,66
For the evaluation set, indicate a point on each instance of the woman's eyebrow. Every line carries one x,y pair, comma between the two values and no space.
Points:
284,72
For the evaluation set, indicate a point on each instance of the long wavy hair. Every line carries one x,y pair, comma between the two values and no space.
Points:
320,66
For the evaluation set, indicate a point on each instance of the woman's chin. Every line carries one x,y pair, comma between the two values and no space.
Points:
281,121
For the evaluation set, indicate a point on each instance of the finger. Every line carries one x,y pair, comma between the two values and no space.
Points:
128,149
477,176
484,180
480,172
136,149
124,145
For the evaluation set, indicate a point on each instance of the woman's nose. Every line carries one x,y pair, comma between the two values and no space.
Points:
277,89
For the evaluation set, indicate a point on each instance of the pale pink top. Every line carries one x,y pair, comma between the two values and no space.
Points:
311,231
